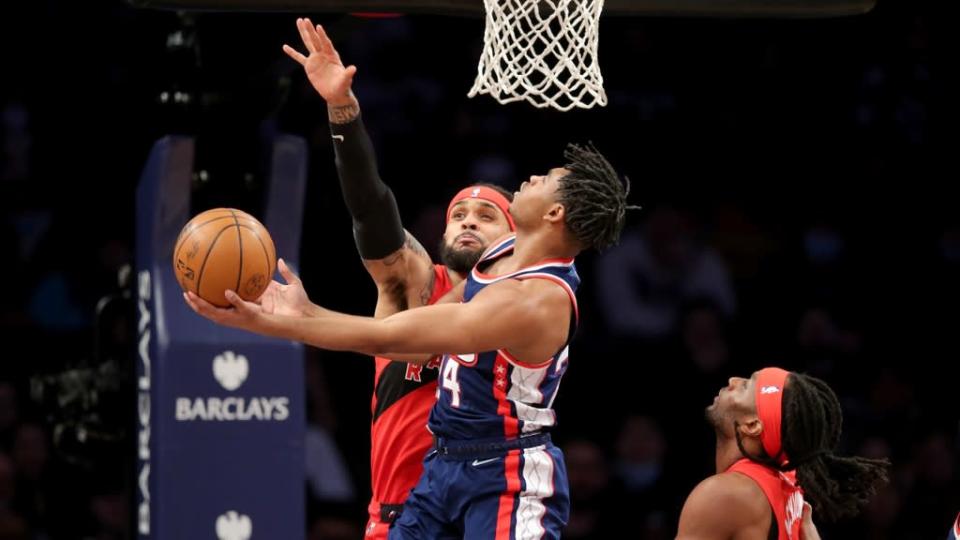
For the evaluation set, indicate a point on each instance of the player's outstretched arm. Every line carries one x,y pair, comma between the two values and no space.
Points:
395,259
520,316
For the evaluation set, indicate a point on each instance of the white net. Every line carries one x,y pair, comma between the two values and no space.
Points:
543,52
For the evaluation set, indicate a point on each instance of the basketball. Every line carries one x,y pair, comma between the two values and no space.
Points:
222,249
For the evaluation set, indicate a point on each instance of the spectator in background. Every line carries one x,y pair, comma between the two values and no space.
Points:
12,526
705,342
9,414
17,143
111,513
31,455
646,280
641,449
932,498
328,476
647,492
591,498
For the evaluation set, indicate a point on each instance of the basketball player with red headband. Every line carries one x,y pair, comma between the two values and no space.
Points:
403,392
776,435
405,276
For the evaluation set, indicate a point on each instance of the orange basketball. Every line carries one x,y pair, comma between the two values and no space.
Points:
222,249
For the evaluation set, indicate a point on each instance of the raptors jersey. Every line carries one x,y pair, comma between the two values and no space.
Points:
403,396
489,395
782,492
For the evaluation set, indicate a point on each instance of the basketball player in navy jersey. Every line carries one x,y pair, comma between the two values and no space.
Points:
776,435
403,272
493,472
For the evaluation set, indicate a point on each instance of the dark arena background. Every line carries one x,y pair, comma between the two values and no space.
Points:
797,177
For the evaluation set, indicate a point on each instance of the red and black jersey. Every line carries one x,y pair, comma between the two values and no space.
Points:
402,398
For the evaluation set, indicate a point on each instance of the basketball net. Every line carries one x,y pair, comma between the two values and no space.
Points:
543,52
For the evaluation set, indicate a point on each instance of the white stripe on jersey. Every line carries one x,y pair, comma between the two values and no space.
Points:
524,392
564,358
525,384
538,477
525,270
534,418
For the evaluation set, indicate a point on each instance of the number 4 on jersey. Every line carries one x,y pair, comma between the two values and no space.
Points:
449,378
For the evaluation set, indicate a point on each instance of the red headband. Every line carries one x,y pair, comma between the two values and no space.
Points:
487,194
769,392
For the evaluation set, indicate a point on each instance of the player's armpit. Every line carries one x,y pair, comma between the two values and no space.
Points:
406,269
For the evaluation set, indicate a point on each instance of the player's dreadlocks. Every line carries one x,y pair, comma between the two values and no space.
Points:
810,431
593,196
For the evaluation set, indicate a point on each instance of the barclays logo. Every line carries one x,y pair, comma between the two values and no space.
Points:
234,526
230,370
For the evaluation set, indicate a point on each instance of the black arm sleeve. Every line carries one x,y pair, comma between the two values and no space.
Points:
377,230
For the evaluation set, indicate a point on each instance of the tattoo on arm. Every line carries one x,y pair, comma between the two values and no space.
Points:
343,114
417,248
411,244
427,290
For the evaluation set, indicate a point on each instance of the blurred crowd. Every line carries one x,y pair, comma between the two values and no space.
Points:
793,177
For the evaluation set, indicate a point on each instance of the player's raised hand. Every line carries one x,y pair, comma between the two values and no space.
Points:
322,64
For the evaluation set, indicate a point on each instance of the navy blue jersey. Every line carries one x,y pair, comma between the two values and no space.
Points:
491,394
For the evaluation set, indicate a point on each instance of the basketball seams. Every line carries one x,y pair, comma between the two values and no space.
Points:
207,255
266,253
195,228
236,223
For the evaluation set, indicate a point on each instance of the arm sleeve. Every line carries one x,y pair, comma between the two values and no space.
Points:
377,230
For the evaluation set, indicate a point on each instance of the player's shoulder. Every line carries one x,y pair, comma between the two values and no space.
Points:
729,497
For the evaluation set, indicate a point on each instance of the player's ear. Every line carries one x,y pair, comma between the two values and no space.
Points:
750,426
555,213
